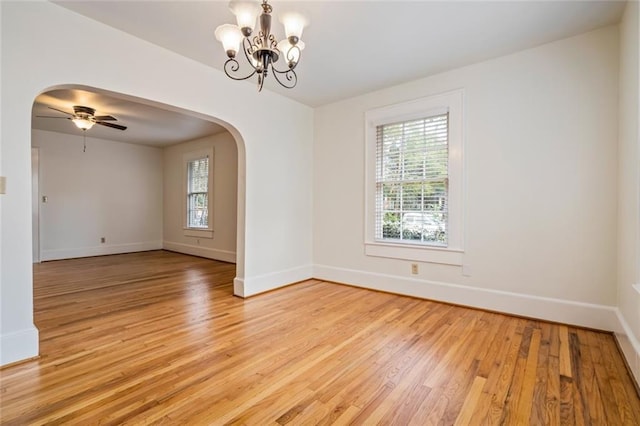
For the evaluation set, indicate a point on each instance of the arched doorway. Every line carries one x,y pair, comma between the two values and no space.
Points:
150,125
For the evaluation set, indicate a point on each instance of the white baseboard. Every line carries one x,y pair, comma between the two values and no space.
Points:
599,317
250,286
18,345
101,250
209,253
629,344
238,287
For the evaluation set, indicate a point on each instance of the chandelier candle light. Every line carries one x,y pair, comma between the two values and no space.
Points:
263,50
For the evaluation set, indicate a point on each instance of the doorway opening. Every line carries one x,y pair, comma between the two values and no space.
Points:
107,191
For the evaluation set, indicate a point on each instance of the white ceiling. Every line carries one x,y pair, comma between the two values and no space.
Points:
352,47
146,124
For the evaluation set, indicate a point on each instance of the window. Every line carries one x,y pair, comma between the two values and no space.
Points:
198,193
414,180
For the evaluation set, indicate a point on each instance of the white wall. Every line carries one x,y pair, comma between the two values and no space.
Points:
223,204
540,185
274,136
629,188
541,124
113,190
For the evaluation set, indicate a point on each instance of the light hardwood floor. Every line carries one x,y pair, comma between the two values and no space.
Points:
158,338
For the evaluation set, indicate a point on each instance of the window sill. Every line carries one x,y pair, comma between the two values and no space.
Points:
200,233
427,254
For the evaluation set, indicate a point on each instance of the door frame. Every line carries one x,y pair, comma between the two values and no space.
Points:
35,204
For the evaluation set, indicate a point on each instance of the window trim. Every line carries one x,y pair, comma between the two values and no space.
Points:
186,158
452,102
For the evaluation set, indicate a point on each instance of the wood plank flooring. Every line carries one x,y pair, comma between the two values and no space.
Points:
158,338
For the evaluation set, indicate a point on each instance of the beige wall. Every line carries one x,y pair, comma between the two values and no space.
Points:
540,185
223,206
113,190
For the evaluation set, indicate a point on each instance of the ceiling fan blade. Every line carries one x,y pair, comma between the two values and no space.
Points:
49,116
115,126
59,110
105,118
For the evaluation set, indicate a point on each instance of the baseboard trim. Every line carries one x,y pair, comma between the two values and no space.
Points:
238,287
629,346
101,250
18,346
19,362
206,252
271,281
600,317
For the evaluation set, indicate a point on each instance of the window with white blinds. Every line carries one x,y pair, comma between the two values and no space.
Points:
198,193
412,160
414,180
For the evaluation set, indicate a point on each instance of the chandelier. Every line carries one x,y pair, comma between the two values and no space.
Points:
263,50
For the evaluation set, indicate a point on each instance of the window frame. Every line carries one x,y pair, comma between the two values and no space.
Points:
452,102
187,158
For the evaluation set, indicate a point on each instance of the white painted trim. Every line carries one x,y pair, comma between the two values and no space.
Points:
238,287
190,156
261,283
198,233
601,317
18,345
454,102
419,254
629,345
35,203
100,250
209,253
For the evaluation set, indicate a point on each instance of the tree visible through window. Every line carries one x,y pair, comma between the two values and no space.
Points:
198,193
412,181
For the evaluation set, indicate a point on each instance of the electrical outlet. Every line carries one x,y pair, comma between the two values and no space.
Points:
103,240
414,268
198,241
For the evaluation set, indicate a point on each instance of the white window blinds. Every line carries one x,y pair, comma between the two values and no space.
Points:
198,193
412,181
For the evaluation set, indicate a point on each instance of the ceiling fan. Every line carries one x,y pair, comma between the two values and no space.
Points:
84,118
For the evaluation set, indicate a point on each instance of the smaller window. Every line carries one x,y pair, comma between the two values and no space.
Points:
198,193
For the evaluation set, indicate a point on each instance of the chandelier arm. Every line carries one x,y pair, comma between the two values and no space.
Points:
290,57
289,68
273,42
289,75
233,68
248,49
259,40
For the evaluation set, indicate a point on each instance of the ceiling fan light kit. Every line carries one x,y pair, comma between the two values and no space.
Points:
84,118
263,50
82,123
